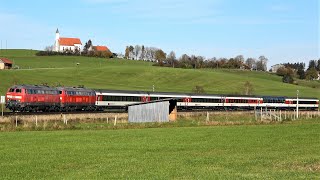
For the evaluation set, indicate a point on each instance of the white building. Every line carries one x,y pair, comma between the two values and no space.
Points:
275,68
62,43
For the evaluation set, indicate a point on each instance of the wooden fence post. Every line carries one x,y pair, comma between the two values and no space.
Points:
115,120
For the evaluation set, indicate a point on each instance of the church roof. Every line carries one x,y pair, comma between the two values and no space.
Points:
101,48
69,41
57,31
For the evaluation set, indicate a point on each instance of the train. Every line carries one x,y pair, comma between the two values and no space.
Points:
35,98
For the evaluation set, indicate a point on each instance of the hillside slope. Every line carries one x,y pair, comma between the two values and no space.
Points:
137,75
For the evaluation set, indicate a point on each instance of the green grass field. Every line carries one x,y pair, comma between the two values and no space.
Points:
277,151
138,75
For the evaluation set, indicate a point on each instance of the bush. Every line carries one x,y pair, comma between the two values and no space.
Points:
287,79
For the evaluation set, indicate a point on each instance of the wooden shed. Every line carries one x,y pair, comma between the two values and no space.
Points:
163,110
5,63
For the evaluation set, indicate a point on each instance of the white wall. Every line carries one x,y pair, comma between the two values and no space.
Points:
1,65
62,48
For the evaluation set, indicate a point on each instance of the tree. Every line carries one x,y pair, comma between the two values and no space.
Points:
86,47
262,63
282,71
239,61
49,48
301,74
248,88
131,53
143,51
160,56
185,61
311,74
250,62
137,50
127,51
287,79
312,64
171,58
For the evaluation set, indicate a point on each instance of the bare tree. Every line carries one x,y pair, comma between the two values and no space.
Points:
250,62
127,51
49,48
137,50
262,63
171,58
143,51
131,52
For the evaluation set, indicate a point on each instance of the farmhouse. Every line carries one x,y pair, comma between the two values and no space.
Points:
66,44
5,63
275,67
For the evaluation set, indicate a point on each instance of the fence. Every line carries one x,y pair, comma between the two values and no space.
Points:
281,115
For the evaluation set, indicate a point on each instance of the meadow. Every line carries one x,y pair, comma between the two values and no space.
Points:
123,74
288,150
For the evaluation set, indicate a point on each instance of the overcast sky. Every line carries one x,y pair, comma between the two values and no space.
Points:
283,31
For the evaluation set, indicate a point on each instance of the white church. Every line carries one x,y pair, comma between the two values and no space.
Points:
63,43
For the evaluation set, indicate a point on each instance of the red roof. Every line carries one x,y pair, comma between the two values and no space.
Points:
101,48
6,61
69,41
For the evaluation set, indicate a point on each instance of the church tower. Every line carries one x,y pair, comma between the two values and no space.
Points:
56,45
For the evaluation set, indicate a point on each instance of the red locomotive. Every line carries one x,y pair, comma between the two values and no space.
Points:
28,98
32,98
75,99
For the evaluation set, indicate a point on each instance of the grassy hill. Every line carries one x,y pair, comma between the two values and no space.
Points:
138,75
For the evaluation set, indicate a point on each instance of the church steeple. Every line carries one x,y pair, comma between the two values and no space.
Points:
56,44
57,34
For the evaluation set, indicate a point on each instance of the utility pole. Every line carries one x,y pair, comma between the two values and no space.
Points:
297,104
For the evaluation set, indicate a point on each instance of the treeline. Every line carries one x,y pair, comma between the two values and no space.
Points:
88,50
161,58
289,71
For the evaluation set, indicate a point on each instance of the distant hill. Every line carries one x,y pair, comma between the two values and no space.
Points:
138,75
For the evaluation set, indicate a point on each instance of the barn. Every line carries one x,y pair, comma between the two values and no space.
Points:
5,63
163,110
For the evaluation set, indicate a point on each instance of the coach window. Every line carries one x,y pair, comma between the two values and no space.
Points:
153,98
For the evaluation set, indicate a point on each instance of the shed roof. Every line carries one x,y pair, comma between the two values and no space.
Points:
6,61
101,48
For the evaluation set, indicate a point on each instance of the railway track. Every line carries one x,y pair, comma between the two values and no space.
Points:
55,113
122,111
